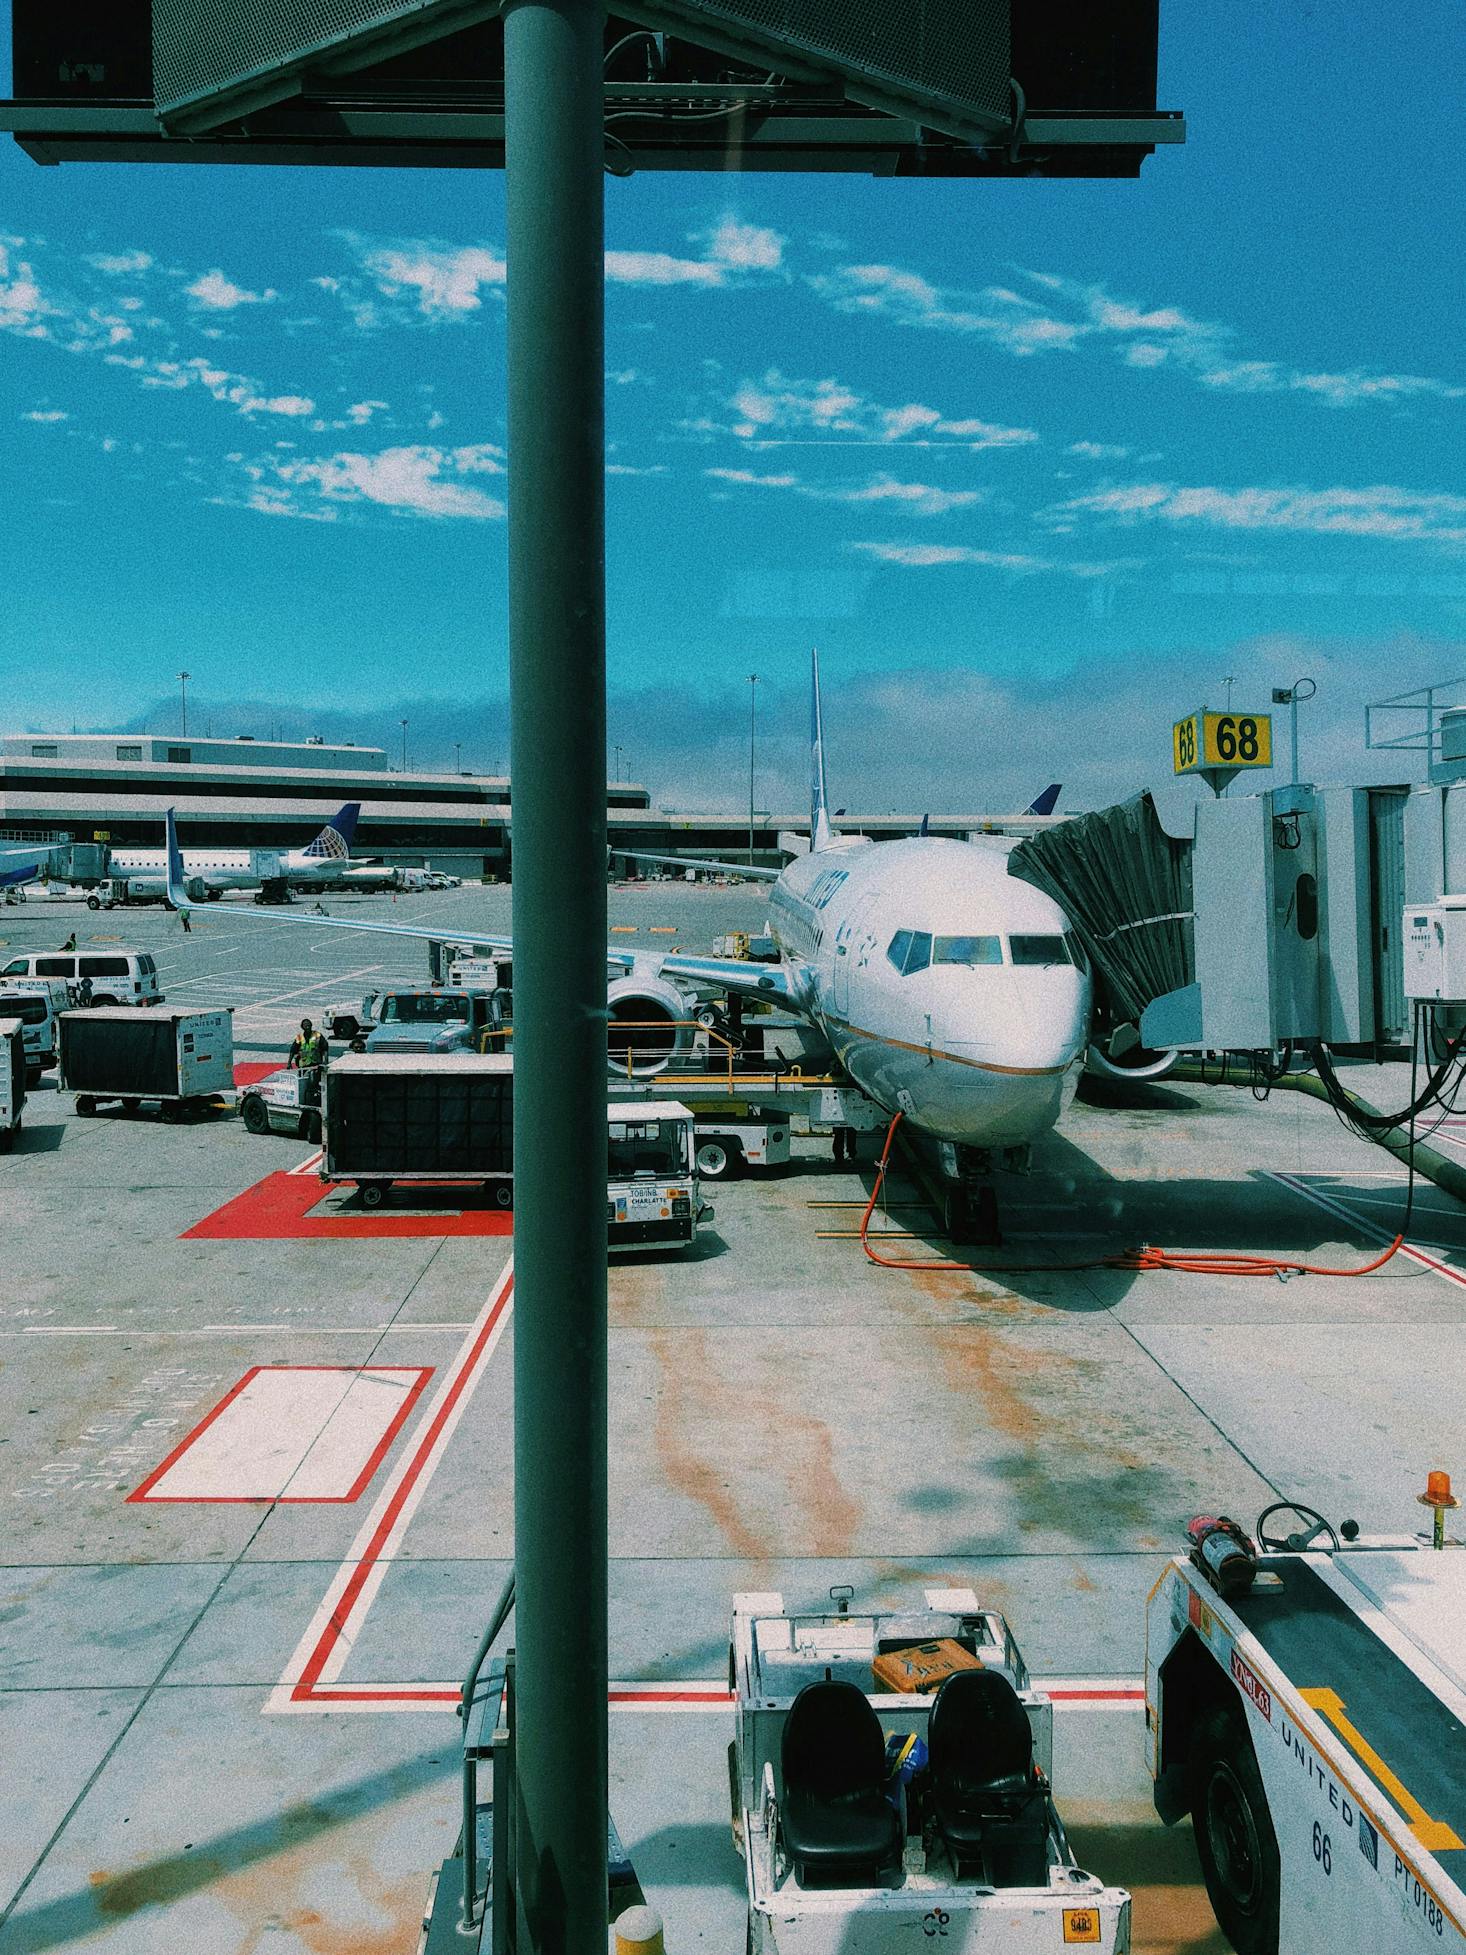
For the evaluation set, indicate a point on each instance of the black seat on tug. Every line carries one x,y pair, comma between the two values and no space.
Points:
840,1830
990,1803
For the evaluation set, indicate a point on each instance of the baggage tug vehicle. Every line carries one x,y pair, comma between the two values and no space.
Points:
890,1779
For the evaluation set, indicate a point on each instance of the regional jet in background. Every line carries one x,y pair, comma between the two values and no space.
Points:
207,873
20,866
953,993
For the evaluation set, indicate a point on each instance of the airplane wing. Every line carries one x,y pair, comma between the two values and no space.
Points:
729,973
751,870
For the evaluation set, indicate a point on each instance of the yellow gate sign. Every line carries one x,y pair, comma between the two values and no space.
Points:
1203,741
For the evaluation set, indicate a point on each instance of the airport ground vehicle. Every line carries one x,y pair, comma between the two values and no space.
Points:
422,1018
118,977
137,892
1306,1702
276,1104
36,1004
449,1117
182,1059
726,1147
13,1076
874,1819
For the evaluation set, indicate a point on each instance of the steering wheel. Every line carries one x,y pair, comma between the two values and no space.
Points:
1296,1543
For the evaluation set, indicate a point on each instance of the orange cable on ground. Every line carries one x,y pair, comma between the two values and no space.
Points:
1146,1258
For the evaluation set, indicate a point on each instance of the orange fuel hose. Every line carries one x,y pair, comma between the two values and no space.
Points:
1146,1258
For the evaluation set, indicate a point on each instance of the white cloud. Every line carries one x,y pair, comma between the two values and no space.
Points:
419,480
119,264
661,268
21,305
750,479
360,412
46,414
629,468
230,388
928,556
918,498
216,293
446,279
776,409
1097,451
1390,513
745,247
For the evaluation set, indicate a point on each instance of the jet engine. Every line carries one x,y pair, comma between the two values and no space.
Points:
650,1023
1120,1055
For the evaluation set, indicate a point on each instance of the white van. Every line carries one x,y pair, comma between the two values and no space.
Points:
36,1003
117,977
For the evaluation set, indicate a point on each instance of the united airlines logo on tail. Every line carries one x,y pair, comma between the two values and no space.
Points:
333,844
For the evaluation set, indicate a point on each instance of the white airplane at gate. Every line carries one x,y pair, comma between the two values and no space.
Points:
953,993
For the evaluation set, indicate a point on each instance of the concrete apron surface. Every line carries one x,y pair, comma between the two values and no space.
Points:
225,1705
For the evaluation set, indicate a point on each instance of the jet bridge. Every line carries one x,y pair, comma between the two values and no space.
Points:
1276,920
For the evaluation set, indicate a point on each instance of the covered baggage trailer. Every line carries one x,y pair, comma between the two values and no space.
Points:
442,1116
13,1074
130,1053
876,1819
1313,1722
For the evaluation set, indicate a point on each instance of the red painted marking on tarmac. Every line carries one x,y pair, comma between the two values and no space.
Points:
278,1209
1344,1213
711,1697
320,1656
248,1071
379,1452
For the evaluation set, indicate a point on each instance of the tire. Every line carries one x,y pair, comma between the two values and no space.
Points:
314,1130
85,1105
214,895
7,1138
345,1027
99,1004
504,1194
1235,1841
717,1160
94,902
255,1114
373,1193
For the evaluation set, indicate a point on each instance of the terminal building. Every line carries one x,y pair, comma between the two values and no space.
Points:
267,794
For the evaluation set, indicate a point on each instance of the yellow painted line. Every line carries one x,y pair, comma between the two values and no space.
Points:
872,1235
887,1208
663,929
1433,1834
623,929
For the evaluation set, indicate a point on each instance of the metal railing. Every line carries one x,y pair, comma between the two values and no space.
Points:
1426,705
692,1068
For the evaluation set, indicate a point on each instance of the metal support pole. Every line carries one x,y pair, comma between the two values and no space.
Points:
752,722
1293,716
554,158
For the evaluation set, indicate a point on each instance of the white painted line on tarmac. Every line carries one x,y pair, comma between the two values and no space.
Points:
322,1652
1446,1271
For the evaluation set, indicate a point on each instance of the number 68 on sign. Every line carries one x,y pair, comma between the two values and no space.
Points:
1205,740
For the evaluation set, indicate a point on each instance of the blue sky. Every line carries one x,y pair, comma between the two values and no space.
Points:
1037,464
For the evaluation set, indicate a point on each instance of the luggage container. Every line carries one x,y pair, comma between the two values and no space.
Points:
420,1117
13,1073
182,1059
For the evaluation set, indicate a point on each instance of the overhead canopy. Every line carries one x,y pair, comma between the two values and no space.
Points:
1125,885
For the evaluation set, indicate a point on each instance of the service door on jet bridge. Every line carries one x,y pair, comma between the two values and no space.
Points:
1387,887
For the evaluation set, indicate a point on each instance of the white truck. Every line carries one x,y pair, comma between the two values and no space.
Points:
877,1816
1306,1702
13,1073
37,1004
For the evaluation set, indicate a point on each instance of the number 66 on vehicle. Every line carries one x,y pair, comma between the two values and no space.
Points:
1204,740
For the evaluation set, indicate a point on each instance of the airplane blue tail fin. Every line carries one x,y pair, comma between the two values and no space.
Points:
820,832
334,841
1047,801
178,897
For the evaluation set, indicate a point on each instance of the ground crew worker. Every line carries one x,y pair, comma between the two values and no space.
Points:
309,1055
70,943
187,926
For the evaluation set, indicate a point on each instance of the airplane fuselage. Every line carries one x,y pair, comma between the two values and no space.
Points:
223,868
950,991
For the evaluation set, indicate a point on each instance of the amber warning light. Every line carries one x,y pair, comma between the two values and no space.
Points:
1438,1496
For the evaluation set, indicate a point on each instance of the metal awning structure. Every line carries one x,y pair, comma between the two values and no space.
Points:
809,85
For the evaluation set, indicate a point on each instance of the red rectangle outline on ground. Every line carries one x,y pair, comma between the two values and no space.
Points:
650,1697
142,1492
277,1209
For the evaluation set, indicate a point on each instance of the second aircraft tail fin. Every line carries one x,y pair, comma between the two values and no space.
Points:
820,832
178,896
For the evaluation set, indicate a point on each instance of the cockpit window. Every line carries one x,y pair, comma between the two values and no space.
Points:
1040,950
910,950
967,950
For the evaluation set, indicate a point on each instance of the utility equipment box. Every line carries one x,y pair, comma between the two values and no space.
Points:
1434,937
12,1080
143,1052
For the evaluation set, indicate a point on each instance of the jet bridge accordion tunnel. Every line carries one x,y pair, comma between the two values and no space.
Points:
1275,921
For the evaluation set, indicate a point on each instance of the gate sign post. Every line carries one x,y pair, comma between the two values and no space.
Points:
1218,746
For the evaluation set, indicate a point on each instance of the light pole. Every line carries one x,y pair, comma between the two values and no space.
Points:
404,746
617,775
1289,696
458,756
183,679
1229,682
752,726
